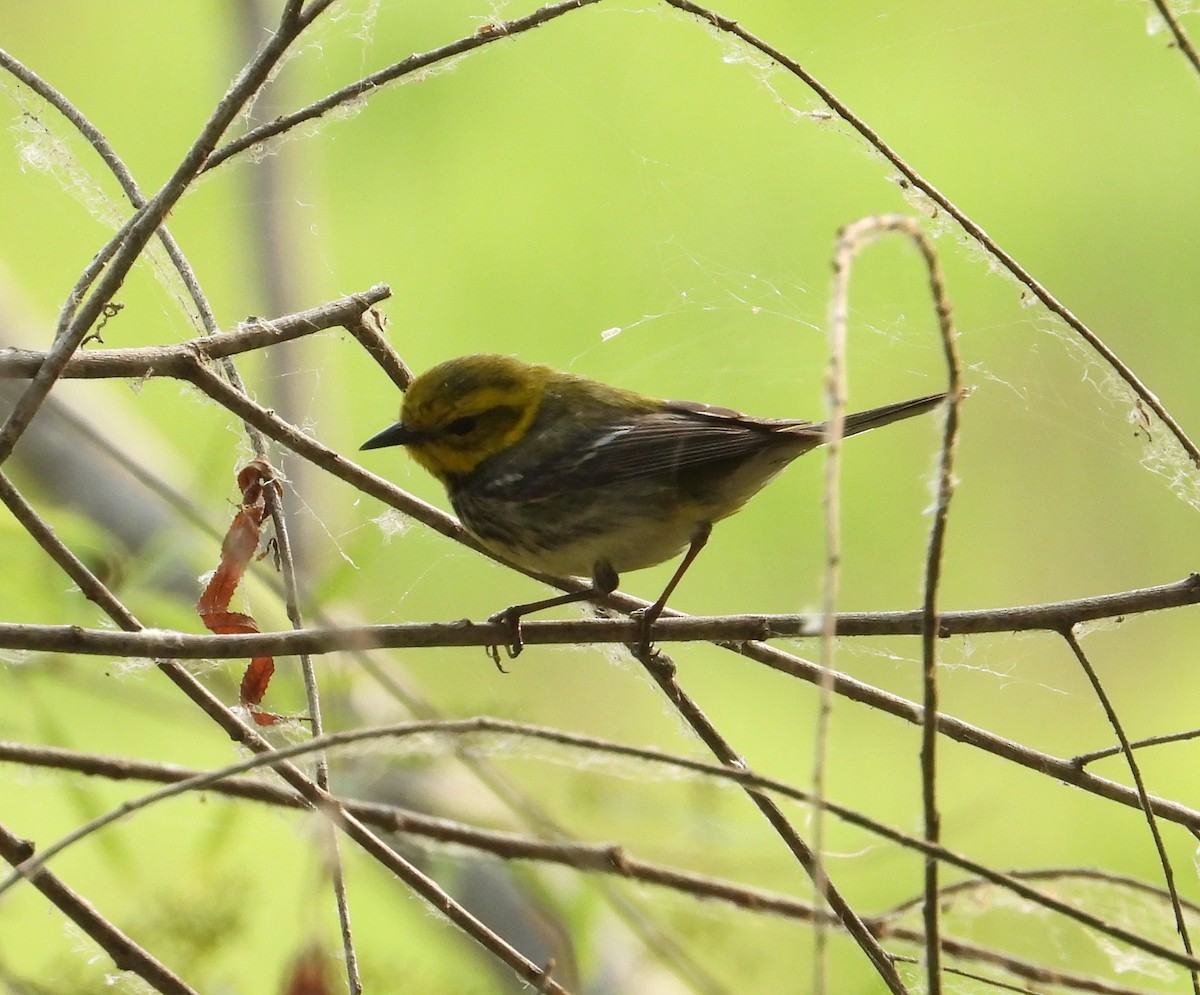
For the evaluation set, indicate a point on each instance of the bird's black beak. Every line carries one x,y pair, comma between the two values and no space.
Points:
394,435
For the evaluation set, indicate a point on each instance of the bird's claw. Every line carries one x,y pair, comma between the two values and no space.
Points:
515,643
645,618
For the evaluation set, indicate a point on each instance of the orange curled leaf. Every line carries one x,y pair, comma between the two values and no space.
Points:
240,544
254,687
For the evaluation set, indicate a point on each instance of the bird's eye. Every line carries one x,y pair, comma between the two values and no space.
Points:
463,425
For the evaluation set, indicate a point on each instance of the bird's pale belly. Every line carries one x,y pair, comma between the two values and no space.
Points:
541,536
624,549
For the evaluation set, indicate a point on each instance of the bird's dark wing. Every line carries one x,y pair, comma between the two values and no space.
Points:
674,441
678,438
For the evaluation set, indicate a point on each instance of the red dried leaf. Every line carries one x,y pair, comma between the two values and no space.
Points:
254,687
241,543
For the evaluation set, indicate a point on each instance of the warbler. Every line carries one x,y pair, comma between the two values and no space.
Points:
561,474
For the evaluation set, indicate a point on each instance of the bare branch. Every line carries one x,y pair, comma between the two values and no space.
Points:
176,360
369,332
598,858
851,241
124,177
674,628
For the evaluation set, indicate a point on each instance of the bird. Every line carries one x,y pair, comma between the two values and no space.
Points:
561,474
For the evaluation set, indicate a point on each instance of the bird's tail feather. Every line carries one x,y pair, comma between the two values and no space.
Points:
864,421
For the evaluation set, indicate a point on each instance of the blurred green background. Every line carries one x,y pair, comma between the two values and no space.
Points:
629,194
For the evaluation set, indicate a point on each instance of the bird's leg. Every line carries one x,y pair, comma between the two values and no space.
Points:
604,581
512,618
648,616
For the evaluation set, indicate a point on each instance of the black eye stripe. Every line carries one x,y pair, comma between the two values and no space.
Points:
491,421
463,425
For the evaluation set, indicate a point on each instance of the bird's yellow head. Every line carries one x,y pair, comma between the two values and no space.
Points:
464,410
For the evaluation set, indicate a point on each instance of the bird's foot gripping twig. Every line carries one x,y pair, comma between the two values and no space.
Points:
645,618
511,617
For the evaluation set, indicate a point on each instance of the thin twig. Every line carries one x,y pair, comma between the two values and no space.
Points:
1143,796
132,239
993,983
171,360
831,503
368,329
287,567
1137,744
124,177
1057,768
1057,876
851,241
1178,36
933,572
